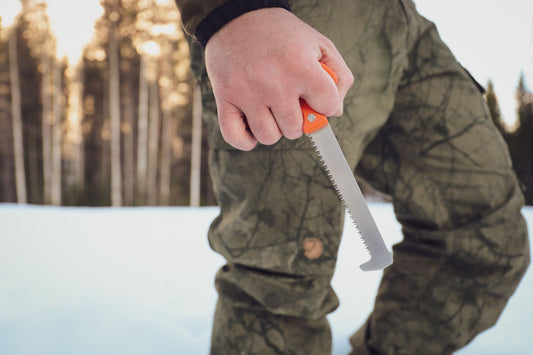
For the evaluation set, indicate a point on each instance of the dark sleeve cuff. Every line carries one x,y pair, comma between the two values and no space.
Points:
229,11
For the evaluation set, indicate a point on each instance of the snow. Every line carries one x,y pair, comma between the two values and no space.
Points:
140,281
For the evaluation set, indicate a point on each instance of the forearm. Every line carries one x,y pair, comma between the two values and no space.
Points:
203,18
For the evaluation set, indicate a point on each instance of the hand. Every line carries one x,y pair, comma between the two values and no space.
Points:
260,65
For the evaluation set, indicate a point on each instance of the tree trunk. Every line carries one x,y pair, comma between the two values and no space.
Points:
73,175
104,176
114,102
153,144
16,112
142,133
7,181
55,190
196,147
46,87
129,145
79,166
167,132
166,158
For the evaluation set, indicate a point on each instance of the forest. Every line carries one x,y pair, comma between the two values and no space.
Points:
114,128
121,125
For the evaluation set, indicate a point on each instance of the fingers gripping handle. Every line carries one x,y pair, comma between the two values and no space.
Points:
313,120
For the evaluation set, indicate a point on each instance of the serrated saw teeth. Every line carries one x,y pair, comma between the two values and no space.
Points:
317,127
348,191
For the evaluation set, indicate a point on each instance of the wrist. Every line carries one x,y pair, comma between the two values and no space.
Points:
229,11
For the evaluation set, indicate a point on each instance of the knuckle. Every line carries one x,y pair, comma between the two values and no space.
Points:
332,107
246,146
269,138
225,130
293,134
290,121
350,79
293,127
326,42
230,138
241,143
326,102
329,43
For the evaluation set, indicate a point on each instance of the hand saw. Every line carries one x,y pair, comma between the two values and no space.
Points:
316,126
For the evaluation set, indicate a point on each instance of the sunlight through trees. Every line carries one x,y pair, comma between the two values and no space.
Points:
96,105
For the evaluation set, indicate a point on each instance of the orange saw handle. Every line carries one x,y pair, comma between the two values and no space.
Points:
313,120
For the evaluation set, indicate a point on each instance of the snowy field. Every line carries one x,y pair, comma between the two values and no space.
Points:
140,281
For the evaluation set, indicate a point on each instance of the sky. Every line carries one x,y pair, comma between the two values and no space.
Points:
72,23
8,11
493,39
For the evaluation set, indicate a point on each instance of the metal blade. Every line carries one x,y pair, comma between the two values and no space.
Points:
349,192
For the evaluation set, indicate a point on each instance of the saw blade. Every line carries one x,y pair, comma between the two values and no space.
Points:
349,192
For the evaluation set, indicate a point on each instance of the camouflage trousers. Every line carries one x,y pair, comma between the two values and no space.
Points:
416,127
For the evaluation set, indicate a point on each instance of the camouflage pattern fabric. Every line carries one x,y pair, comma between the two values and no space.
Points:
417,128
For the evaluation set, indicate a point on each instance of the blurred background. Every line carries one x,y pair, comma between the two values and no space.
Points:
98,107
104,116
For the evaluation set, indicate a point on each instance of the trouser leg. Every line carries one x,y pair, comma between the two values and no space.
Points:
438,156
256,331
280,222
465,246
279,230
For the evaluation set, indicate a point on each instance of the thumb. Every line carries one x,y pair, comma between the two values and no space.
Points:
331,57
321,93
344,75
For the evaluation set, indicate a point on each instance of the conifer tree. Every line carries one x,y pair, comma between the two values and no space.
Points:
164,104
521,141
7,179
16,115
43,47
494,108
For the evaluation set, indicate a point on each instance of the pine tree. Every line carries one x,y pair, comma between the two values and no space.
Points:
163,161
95,122
7,183
112,55
16,114
95,139
29,82
42,45
521,141
494,108
113,9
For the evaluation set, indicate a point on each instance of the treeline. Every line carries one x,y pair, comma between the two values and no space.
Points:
122,125
520,137
115,128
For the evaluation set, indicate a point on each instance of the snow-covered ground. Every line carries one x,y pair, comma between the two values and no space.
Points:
140,281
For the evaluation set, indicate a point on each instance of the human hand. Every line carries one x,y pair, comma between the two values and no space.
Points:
260,65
